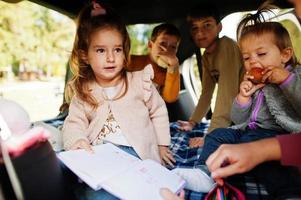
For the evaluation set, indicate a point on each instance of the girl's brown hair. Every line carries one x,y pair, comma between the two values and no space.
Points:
255,24
83,73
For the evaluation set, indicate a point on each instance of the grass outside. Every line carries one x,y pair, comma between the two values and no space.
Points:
41,99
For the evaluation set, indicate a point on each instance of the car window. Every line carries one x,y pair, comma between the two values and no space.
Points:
140,35
34,49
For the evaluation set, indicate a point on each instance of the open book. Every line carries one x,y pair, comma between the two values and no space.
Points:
120,173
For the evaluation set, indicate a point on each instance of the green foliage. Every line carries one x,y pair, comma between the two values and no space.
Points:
140,35
36,34
42,39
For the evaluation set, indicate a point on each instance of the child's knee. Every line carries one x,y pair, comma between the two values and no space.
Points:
217,133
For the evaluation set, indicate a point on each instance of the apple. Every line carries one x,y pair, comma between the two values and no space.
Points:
256,72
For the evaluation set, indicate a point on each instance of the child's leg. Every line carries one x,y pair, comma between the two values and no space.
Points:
197,179
216,138
257,134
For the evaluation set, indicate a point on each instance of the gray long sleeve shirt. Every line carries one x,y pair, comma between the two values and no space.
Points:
275,107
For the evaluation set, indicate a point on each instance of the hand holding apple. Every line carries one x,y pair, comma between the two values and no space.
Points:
274,74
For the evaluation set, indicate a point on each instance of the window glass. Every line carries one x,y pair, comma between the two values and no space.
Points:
140,34
34,49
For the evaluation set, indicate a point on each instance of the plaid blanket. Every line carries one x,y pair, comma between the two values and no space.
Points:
183,154
186,157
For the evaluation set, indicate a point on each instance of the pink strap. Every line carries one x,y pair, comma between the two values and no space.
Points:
216,192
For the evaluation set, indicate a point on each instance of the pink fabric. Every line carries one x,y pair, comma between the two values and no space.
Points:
17,144
15,122
216,193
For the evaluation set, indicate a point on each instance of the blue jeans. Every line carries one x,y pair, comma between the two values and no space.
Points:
221,136
83,191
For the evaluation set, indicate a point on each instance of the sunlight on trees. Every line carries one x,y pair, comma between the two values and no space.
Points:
36,37
140,34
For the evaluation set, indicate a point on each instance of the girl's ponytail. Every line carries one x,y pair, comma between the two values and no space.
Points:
255,19
259,23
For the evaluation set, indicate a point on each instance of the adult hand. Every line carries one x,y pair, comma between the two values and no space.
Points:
169,195
241,158
166,156
185,125
82,144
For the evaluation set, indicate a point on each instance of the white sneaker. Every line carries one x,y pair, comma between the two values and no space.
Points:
196,179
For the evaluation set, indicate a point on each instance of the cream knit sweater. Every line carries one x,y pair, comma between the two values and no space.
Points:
141,114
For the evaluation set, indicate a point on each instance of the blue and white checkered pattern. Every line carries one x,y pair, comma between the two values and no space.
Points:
184,155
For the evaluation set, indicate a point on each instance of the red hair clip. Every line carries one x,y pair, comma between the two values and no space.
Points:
97,9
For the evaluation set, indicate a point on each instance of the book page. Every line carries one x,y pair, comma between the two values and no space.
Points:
143,181
94,168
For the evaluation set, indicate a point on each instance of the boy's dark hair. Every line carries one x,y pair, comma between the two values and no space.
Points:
166,28
204,10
